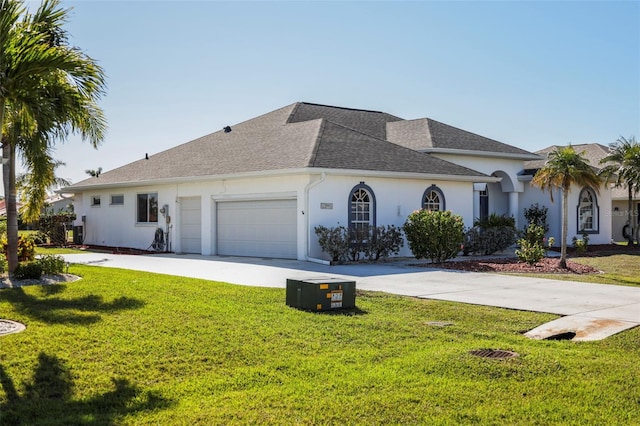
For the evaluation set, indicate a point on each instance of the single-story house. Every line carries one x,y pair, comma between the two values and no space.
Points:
260,187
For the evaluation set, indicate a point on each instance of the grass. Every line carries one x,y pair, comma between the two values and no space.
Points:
618,269
125,347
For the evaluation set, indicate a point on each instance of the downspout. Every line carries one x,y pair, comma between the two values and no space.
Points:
311,185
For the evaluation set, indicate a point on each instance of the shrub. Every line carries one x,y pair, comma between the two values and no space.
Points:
28,270
529,252
373,242
537,215
532,247
52,264
384,242
581,245
333,241
436,235
55,226
26,248
494,234
4,265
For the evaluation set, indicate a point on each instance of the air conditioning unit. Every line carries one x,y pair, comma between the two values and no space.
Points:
321,294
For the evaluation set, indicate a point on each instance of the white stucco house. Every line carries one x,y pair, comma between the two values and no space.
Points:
260,187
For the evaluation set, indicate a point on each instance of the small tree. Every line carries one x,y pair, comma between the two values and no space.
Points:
435,235
537,215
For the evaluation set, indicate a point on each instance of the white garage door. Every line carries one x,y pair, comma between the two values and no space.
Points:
190,229
257,228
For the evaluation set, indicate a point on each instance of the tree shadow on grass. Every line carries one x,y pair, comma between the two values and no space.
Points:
56,310
48,399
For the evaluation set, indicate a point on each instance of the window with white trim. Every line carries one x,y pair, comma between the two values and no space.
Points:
147,208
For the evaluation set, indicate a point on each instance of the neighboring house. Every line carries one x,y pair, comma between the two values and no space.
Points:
3,207
590,212
58,203
259,188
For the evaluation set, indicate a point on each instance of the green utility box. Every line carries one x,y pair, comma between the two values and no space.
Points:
321,294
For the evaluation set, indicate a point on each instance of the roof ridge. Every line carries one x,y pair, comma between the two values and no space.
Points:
345,108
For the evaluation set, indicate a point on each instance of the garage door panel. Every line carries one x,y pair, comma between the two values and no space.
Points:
257,228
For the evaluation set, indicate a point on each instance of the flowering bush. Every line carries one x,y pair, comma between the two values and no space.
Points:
435,235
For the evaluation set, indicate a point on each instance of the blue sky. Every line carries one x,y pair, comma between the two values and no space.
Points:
531,74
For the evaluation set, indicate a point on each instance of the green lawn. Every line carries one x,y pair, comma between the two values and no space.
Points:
618,269
125,347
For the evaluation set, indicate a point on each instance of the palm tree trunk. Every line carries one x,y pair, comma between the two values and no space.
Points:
9,178
630,217
565,228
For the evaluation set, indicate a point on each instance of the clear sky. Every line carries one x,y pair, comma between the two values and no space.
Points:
530,74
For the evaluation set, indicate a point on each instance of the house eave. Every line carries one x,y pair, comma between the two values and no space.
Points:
490,154
286,172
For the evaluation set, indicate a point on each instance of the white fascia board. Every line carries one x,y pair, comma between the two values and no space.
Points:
284,172
489,154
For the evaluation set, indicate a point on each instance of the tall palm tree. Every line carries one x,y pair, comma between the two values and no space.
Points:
624,164
564,168
47,91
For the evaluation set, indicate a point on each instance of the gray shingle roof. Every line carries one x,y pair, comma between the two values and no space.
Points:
429,135
594,152
304,135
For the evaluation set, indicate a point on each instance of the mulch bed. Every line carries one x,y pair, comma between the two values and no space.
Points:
546,265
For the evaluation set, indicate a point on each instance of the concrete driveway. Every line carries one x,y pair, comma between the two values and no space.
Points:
590,311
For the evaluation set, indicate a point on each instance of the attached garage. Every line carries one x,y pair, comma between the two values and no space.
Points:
190,225
257,228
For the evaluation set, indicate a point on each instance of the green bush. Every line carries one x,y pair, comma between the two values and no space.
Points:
4,265
356,243
532,247
581,245
52,264
26,248
384,242
28,270
530,252
333,241
537,215
494,234
435,235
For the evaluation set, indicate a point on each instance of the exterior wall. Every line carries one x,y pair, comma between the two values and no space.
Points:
619,217
395,199
533,195
327,204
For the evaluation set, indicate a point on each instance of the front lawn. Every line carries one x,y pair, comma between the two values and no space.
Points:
126,347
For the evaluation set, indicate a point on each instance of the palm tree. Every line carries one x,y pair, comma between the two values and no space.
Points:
35,185
624,164
47,91
564,168
94,173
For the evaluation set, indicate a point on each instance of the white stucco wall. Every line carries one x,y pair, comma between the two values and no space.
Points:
533,194
395,200
327,204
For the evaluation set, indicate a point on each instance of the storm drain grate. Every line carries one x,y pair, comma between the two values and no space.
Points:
494,353
8,327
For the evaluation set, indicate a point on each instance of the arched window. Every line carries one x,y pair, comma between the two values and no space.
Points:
587,212
362,207
433,199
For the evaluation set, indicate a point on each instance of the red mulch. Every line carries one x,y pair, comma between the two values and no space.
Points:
546,265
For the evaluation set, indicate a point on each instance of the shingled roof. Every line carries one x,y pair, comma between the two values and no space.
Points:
593,152
303,136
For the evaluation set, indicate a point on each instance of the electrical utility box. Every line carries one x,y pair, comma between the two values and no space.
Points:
321,294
